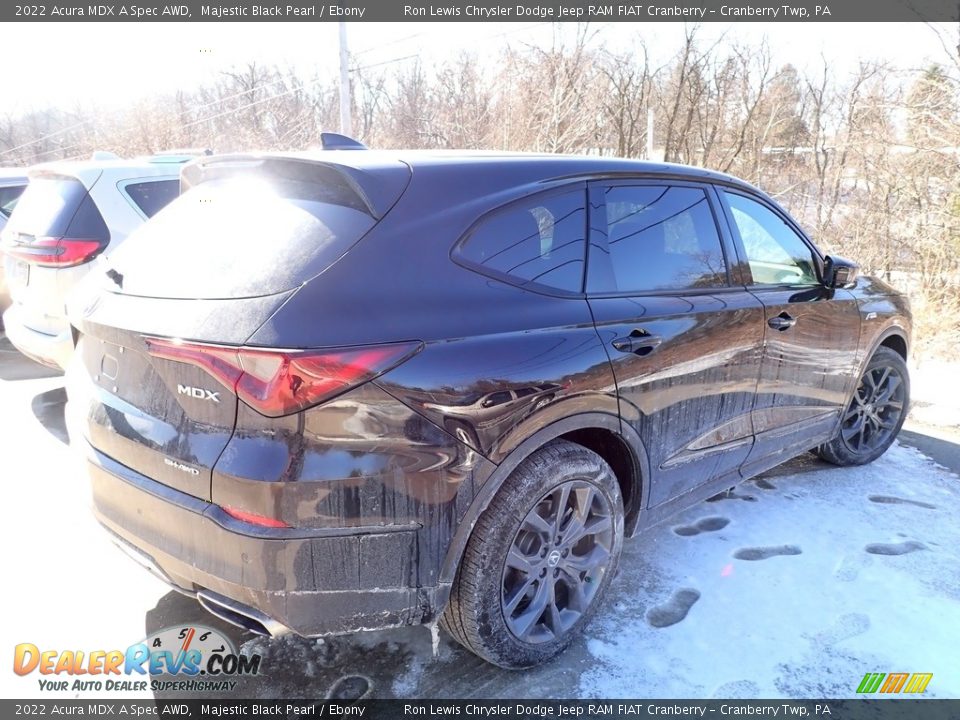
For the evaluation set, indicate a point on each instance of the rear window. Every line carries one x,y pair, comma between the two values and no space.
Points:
241,235
153,195
8,198
539,241
48,205
658,238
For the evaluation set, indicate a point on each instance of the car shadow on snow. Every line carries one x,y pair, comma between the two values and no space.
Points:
395,663
48,407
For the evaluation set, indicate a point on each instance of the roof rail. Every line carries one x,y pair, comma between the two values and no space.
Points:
336,141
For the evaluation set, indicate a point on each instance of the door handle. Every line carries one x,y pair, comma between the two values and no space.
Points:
782,322
639,342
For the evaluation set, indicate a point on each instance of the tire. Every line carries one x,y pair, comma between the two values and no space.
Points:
492,600
876,413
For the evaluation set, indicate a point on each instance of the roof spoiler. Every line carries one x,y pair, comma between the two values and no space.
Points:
376,187
335,141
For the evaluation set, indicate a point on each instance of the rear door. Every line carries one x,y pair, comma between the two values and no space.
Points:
811,333
684,340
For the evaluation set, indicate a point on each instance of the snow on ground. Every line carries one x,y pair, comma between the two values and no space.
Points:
795,586
935,393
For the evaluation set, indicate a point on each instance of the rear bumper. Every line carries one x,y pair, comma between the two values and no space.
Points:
314,583
53,351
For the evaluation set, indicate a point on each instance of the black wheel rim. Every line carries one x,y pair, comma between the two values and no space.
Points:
875,412
557,561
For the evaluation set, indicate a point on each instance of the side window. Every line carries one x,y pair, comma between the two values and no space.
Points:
661,237
776,254
152,196
540,241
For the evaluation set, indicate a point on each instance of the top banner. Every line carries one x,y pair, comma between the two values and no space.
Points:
481,11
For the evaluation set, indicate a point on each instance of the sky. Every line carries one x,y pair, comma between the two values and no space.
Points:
113,64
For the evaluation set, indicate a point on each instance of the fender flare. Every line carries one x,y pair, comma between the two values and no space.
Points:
490,484
891,330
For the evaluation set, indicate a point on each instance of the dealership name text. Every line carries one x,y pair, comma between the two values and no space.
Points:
527,710
560,12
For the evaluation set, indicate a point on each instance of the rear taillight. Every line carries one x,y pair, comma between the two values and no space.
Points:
281,382
253,518
55,252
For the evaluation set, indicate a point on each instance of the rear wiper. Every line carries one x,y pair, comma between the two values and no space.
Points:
116,277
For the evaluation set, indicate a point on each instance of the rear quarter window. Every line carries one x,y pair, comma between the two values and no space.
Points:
9,195
151,196
537,242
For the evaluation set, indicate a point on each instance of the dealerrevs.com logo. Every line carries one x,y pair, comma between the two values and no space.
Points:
187,658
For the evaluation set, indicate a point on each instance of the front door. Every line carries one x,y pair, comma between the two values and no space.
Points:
683,340
811,334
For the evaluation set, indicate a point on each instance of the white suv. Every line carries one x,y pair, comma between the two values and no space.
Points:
70,217
12,184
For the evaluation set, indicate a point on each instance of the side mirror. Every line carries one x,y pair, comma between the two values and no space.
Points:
839,272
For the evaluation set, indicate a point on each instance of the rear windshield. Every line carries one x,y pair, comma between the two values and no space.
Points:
48,205
239,236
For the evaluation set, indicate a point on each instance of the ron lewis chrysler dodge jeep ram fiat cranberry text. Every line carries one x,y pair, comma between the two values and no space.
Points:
342,390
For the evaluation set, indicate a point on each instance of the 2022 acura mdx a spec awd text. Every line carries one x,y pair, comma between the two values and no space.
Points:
344,390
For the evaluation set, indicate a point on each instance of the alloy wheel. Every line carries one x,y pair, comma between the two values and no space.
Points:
875,411
556,562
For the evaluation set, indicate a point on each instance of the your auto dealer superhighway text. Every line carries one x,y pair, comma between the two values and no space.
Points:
561,710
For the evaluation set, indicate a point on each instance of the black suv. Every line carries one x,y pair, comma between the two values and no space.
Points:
343,390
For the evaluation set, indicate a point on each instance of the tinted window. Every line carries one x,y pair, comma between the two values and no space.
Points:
47,206
540,241
151,197
777,255
497,398
660,238
9,197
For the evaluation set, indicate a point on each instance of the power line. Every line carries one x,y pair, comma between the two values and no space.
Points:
268,84
250,105
44,137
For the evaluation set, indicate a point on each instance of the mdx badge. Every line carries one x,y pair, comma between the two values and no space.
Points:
198,393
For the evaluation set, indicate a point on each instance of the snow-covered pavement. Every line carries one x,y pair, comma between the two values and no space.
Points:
794,585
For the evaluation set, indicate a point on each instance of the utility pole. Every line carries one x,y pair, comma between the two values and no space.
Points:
346,125
650,134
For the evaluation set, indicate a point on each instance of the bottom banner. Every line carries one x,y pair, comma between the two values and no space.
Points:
392,709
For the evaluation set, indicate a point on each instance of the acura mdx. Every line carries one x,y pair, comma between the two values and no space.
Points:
342,390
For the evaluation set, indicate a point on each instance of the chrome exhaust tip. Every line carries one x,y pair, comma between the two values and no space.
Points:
243,616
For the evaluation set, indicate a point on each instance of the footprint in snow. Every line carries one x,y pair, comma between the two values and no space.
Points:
674,610
849,567
895,548
846,627
891,500
763,553
349,687
707,524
